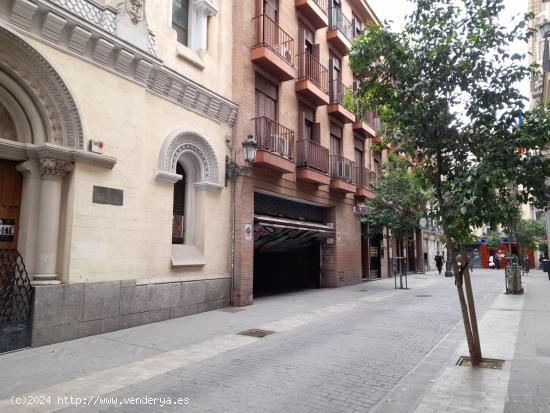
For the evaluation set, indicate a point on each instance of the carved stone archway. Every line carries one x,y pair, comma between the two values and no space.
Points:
182,142
40,92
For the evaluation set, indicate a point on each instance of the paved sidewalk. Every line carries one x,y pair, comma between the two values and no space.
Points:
515,329
333,350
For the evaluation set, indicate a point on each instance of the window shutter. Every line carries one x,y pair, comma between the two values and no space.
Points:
316,132
301,38
316,51
301,122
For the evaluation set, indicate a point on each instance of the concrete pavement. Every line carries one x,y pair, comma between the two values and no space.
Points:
357,348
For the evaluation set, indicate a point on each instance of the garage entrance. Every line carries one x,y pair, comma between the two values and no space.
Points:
288,239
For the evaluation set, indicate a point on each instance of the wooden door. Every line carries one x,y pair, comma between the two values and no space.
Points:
11,183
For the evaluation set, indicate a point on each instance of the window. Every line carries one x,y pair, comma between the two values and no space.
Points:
358,152
266,98
357,26
335,139
178,220
271,9
180,20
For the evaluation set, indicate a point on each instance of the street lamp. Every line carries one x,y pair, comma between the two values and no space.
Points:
232,168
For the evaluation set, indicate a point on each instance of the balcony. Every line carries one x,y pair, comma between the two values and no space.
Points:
315,11
367,123
342,174
312,82
274,48
312,163
275,145
365,178
340,31
336,106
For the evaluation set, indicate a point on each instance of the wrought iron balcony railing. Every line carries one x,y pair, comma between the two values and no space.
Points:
309,68
364,177
339,21
337,91
270,34
312,155
342,168
323,5
273,137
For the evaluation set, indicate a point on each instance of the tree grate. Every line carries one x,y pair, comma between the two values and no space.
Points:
495,364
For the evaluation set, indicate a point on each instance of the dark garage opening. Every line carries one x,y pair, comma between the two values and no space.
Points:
287,245
278,272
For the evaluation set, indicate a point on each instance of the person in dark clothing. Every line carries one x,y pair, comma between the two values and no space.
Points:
439,262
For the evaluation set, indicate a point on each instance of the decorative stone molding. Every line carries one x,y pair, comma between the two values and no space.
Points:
19,151
136,9
178,143
206,7
85,29
55,167
37,76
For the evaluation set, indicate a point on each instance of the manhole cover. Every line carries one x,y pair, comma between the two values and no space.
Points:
232,310
485,363
256,332
423,295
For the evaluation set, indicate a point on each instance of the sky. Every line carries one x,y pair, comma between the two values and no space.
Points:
396,10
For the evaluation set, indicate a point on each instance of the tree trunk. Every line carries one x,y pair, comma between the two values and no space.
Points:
476,354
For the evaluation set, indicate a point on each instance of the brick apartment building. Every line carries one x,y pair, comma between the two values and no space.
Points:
294,225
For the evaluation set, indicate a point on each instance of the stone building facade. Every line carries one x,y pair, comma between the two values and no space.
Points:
115,118
294,212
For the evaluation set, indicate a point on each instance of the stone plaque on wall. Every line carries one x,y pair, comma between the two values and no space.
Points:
107,196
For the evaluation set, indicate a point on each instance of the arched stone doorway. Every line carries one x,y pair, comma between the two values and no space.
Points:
189,163
40,129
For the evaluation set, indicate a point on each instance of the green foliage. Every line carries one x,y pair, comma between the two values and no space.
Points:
400,199
494,240
529,234
445,87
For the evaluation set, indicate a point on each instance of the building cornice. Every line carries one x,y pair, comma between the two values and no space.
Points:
91,38
19,151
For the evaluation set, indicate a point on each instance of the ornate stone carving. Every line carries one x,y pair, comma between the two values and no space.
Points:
178,143
86,23
136,10
35,74
55,167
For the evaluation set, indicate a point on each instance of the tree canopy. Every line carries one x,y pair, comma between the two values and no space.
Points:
400,199
446,90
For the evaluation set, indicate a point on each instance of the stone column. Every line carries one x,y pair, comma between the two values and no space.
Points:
30,206
53,171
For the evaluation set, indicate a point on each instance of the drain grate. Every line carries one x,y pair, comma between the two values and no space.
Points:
256,332
485,363
363,289
423,295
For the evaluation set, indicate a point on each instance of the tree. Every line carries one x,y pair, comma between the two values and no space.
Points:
529,234
445,88
400,200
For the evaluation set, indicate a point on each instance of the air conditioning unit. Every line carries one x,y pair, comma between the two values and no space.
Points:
347,171
279,145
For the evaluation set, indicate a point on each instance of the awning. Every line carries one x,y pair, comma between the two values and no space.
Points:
283,234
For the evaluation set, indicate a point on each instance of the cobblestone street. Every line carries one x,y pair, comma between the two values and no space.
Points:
332,351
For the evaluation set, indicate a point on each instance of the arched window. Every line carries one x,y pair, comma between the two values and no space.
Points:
178,221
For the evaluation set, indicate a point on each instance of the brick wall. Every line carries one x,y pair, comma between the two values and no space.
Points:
341,260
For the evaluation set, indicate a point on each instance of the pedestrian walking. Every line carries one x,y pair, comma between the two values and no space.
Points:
439,262
492,262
